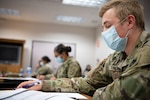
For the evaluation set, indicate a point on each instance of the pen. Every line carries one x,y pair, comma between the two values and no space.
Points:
30,85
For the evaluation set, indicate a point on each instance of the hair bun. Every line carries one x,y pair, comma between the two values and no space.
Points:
68,48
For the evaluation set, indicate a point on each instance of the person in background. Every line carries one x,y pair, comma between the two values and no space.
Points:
43,67
124,74
87,69
69,67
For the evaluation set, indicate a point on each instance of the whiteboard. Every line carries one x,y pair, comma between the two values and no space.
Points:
44,48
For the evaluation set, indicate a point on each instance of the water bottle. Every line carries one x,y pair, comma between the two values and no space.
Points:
21,72
28,71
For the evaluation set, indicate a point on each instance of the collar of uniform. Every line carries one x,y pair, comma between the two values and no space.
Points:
142,39
144,36
69,58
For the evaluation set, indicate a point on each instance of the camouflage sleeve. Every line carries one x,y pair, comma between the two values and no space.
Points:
134,87
74,70
45,70
79,85
97,77
35,73
49,70
134,83
48,76
42,70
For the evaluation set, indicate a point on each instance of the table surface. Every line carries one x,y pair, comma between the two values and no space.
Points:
89,97
8,89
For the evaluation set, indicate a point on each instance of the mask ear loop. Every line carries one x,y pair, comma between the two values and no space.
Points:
127,33
121,22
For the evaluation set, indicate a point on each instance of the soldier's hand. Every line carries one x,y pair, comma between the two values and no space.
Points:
34,87
40,77
53,78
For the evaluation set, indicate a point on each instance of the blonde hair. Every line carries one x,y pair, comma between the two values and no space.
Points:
123,8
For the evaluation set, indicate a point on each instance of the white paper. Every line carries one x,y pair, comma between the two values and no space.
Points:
10,93
24,94
71,95
19,78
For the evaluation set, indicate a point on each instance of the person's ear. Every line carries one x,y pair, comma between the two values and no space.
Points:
63,53
131,21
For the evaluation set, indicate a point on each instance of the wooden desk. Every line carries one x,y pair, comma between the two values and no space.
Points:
7,83
89,97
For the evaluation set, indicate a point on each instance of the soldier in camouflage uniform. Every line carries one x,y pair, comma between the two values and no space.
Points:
69,68
123,75
43,67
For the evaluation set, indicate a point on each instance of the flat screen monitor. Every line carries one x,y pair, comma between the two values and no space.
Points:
10,54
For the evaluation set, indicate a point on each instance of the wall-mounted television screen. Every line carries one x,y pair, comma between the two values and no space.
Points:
10,53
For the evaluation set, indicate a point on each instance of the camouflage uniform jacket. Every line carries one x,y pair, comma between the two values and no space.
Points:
44,70
118,77
70,68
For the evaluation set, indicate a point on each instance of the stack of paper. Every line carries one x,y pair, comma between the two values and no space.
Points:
25,94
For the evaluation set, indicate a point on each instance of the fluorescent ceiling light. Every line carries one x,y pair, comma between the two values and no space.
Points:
88,3
9,12
69,19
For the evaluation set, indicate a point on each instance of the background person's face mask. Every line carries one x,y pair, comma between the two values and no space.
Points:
113,40
41,63
59,59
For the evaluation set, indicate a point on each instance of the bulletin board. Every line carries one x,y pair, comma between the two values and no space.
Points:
44,48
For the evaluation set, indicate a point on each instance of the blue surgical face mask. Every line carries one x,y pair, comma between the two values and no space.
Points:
59,59
113,40
41,63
